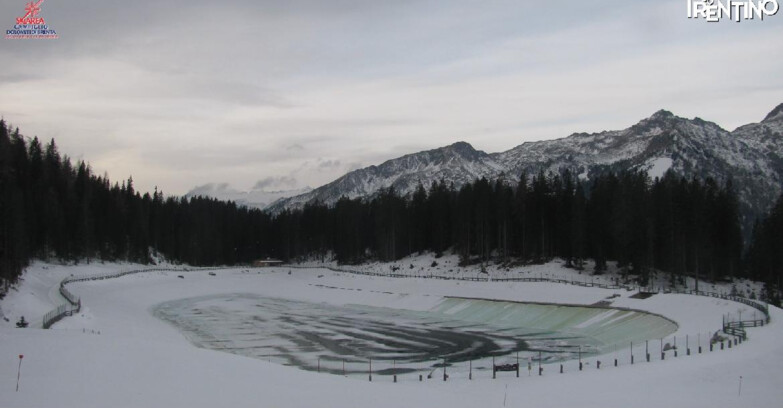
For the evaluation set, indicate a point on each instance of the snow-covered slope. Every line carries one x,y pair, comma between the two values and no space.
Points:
458,163
752,156
116,353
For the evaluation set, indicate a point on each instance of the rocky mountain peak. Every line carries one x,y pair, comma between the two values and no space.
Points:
661,115
462,149
775,115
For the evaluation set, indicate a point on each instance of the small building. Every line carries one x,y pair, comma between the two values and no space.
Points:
262,263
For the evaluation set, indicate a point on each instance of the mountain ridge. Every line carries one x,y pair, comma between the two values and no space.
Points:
751,156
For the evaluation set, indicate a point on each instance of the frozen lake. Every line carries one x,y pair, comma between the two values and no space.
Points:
343,339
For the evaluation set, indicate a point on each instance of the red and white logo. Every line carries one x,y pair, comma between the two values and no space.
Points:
31,25
31,16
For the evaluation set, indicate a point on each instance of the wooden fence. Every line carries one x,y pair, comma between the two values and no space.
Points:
74,305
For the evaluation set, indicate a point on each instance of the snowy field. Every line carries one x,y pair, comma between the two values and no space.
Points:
118,353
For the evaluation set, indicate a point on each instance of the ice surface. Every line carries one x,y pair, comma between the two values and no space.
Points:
310,335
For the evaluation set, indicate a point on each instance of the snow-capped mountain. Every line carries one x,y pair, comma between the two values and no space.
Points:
255,198
752,156
459,163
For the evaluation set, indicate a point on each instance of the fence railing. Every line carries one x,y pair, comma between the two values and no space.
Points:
520,366
74,303
737,328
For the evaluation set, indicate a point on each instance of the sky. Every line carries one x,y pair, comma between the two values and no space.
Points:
278,95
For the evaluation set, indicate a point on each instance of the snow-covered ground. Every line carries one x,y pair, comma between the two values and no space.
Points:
117,353
447,265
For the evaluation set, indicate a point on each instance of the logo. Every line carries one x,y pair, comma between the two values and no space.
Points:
31,25
714,11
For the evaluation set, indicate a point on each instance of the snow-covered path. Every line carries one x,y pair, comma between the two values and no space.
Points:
138,360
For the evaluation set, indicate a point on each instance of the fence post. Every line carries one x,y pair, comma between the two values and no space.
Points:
540,369
444,370
19,372
675,346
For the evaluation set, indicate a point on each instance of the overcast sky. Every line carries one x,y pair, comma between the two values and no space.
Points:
287,93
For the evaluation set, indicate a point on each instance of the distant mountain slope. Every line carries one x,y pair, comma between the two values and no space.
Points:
752,156
459,163
255,198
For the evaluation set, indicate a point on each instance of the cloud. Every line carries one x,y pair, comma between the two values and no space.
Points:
209,189
328,164
354,166
275,183
295,146
179,93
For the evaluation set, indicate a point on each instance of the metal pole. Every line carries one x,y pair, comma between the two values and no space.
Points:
19,372
540,370
740,387
615,354
370,370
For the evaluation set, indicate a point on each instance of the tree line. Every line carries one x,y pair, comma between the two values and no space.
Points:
52,208
670,225
765,254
